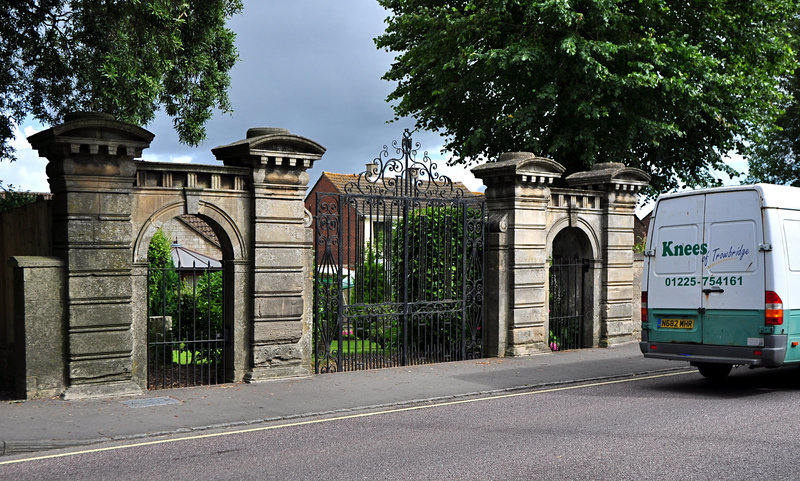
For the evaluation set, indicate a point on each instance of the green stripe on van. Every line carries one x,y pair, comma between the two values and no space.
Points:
720,327
725,327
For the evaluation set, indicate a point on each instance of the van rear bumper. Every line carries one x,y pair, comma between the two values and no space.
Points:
772,354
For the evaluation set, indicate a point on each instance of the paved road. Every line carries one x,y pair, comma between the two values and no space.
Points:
668,426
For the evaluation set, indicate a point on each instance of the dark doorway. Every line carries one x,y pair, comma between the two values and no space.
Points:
186,335
570,325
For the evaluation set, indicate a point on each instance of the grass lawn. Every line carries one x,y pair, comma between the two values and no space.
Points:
184,357
356,346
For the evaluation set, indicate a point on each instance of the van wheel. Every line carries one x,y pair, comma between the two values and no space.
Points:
714,371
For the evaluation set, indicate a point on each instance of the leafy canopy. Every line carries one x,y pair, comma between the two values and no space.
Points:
128,58
666,86
775,160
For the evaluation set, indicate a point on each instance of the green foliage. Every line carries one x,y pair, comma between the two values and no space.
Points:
640,246
371,311
194,305
669,87
435,245
202,304
11,199
438,266
775,160
371,286
127,58
162,280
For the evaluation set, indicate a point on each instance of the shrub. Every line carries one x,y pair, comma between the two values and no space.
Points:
11,199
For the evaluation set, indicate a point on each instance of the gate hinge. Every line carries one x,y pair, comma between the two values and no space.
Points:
650,252
765,247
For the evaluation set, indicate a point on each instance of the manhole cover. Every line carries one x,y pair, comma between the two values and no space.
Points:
150,402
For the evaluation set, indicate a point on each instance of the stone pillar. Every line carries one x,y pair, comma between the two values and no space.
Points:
620,185
281,248
39,326
517,196
91,173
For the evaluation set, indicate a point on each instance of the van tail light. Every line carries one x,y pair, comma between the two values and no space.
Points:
644,306
773,313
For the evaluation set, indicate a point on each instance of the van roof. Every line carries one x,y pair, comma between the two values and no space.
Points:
771,195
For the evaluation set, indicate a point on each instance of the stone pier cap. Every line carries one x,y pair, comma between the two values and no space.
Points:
275,155
613,174
264,145
93,133
524,165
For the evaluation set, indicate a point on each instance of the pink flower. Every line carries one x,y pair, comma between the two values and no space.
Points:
553,346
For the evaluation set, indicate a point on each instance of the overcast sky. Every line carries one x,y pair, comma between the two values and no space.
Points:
307,65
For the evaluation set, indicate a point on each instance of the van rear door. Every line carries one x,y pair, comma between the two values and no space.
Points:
675,270
733,269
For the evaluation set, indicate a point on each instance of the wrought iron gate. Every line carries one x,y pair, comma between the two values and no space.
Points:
399,267
567,305
185,331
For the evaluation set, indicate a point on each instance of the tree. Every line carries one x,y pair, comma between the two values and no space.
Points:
162,279
128,58
775,160
669,87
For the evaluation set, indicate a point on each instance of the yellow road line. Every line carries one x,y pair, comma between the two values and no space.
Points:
350,416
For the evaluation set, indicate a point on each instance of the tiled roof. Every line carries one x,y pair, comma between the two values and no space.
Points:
201,227
339,180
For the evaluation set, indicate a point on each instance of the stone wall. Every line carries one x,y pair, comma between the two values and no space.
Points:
526,215
25,232
39,291
281,249
88,293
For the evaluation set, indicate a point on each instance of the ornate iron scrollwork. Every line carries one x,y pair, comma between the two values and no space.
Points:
399,267
403,176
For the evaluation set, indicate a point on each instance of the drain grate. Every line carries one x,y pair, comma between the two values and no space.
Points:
150,402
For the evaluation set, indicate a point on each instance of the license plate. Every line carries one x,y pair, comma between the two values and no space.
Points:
676,323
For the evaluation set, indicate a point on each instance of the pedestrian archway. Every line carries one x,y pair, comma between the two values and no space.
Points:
188,340
570,291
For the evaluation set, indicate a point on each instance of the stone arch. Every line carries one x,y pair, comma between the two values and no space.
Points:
573,287
229,234
235,290
582,225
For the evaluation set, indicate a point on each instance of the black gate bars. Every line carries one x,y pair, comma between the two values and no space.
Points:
185,333
567,303
399,267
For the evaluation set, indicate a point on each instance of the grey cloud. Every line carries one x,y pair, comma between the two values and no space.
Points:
311,67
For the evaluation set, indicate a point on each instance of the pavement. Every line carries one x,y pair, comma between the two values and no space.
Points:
36,425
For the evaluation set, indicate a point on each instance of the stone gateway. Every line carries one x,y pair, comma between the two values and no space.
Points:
79,314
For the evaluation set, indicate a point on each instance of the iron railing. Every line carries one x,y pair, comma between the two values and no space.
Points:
567,303
186,335
399,268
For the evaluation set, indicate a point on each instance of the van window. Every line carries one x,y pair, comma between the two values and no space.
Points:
731,247
675,246
791,233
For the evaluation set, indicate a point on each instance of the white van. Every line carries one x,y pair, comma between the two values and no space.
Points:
721,280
